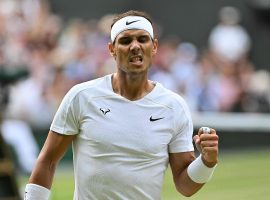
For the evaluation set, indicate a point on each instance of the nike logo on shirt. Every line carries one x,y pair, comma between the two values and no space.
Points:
128,23
155,119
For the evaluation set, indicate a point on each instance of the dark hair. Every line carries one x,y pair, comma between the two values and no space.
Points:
131,13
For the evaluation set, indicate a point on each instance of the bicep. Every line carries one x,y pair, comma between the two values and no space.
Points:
55,146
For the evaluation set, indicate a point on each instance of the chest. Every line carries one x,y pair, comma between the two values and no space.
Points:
136,127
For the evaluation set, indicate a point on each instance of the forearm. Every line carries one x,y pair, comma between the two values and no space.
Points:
51,153
185,185
195,175
43,173
190,174
40,181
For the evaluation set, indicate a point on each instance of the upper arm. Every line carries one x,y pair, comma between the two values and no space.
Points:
55,146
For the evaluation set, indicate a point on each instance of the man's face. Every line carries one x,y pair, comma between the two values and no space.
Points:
133,51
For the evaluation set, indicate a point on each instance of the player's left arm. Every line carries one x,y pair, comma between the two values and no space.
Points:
190,173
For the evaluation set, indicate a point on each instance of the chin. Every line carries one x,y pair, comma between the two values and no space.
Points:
139,69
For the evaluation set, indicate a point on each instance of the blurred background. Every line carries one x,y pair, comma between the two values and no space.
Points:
216,54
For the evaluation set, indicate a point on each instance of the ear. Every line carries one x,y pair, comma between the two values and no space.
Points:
155,46
111,49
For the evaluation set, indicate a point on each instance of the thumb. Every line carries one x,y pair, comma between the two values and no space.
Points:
197,141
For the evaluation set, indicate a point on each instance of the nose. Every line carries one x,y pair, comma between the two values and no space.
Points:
135,46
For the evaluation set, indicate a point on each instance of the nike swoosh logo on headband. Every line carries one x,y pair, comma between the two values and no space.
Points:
128,23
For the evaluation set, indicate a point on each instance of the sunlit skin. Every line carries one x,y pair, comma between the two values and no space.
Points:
133,51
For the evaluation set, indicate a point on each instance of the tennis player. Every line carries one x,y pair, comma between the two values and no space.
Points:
125,129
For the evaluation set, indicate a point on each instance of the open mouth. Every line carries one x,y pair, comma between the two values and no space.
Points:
136,59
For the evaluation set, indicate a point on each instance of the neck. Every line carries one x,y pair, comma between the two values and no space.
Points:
132,87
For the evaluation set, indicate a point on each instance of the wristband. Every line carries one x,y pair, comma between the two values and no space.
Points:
199,172
34,192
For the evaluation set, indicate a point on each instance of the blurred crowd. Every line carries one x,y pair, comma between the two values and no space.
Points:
219,77
58,54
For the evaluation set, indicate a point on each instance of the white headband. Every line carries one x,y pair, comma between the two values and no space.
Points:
131,22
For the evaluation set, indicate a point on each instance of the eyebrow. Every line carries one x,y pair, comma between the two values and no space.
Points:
131,36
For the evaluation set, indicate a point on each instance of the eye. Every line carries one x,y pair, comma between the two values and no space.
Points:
144,39
125,40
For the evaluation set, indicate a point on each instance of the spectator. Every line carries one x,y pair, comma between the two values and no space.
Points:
228,39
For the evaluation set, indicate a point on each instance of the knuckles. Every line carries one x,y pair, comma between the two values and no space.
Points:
205,137
209,143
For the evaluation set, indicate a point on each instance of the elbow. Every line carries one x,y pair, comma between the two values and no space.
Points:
187,193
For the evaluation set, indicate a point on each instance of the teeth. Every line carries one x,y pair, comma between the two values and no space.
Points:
135,59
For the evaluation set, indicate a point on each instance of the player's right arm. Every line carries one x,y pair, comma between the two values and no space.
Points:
65,126
53,150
